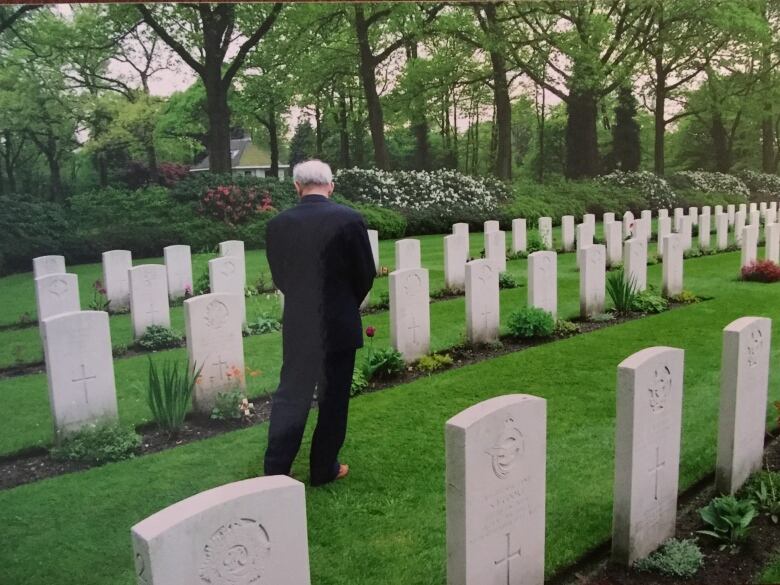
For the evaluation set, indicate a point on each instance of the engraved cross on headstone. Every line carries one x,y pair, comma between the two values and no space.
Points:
413,328
485,314
152,311
220,363
85,379
656,469
508,558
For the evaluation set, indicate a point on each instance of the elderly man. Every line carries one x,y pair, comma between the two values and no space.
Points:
321,260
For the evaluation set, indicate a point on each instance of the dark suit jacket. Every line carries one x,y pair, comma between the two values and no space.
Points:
321,259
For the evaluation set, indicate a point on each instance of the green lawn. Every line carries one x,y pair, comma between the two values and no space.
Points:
385,524
771,574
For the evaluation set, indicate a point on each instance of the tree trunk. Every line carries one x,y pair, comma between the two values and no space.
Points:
582,151
503,106
218,137
151,162
9,163
368,78
273,143
344,158
318,129
720,143
659,126
55,180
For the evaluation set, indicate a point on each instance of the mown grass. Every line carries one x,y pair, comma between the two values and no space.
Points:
386,523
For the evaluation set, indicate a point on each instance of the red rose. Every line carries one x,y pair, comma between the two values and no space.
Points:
370,331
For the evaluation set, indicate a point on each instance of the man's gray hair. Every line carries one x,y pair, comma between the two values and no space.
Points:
312,172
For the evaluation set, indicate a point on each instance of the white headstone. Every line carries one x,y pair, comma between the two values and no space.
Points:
407,254
722,230
584,236
613,233
664,229
752,207
79,369
543,281
519,235
635,262
749,244
234,249
743,208
545,232
460,228
116,263
410,319
731,212
492,225
647,217
590,220
178,268
762,207
739,225
456,252
43,265
592,281
744,387
647,451
482,302
373,239
496,464
755,218
248,532
663,213
607,217
215,346
672,269
718,209
56,294
148,297
679,213
771,216
686,232
628,224
226,275
495,249
705,229
693,213
772,250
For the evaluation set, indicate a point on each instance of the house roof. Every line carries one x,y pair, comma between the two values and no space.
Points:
245,155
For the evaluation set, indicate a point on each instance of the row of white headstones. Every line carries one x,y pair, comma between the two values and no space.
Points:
255,530
77,344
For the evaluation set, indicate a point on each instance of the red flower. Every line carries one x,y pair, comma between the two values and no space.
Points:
370,331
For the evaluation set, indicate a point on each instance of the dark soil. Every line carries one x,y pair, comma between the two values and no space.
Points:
720,567
35,464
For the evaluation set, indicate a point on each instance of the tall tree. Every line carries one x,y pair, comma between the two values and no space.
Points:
202,34
625,133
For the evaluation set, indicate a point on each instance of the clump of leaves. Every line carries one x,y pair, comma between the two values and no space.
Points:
232,405
98,444
565,328
602,318
531,322
763,490
675,558
119,350
263,323
728,519
383,363
431,363
157,337
99,300
359,383
202,284
622,290
534,243
649,301
169,392
686,297
444,292
506,280
653,260
264,284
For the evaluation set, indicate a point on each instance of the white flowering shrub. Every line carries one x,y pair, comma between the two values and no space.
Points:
761,185
654,189
430,200
709,182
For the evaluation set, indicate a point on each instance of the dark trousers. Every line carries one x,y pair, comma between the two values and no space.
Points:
301,371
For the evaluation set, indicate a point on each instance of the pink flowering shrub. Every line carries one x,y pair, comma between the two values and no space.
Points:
234,205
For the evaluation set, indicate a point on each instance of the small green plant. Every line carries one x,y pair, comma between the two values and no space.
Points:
169,392
359,383
565,328
653,260
445,292
506,280
692,253
98,444
675,558
99,300
157,337
263,323
622,290
648,301
533,243
602,318
686,297
25,319
202,284
763,489
434,362
383,363
531,322
232,405
119,350
729,520
264,284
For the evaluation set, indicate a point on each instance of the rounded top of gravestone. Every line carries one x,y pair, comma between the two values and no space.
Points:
489,407
747,322
642,357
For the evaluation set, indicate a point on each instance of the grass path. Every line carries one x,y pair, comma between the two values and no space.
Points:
386,523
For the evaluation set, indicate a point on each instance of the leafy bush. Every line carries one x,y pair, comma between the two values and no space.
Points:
761,271
390,224
232,405
708,182
622,290
98,444
359,383
99,300
383,363
729,520
262,324
531,322
648,301
234,205
196,185
169,392
157,337
534,243
693,198
763,489
686,297
762,186
675,558
506,280
649,186
431,363
565,328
